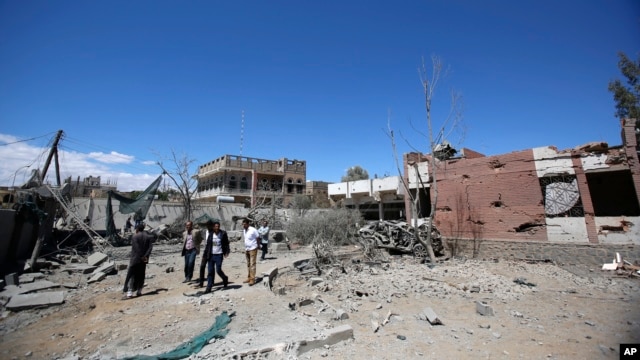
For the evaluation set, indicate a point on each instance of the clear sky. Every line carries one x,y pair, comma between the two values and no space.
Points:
130,82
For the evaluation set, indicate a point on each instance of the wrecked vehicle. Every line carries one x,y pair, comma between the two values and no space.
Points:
399,235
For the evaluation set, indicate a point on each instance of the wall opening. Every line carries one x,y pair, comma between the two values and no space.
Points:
613,193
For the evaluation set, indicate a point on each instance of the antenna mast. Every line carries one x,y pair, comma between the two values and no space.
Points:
241,132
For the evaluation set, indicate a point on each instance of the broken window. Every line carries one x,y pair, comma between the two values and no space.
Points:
560,196
613,193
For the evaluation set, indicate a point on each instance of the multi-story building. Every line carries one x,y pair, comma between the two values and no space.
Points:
251,181
91,186
318,191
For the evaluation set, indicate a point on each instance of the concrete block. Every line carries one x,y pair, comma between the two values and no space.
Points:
484,309
341,315
339,333
12,279
315,281
431,316
305,302
97,258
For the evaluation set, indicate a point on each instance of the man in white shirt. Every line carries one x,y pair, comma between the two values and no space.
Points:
251,246
264,238
216,250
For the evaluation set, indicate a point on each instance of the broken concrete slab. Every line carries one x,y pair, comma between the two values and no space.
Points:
105,268
97,258
82,269
333,336
315,281
12,290
30,277
96,277
26,301
301,264
484,309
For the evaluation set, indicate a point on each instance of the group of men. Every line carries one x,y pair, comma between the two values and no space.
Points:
217,249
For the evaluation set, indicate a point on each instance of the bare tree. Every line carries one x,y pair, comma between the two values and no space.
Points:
450,123
181,176
437,151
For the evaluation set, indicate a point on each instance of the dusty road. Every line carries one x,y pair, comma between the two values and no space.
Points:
550,313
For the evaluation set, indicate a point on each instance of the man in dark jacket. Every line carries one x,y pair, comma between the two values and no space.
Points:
141,245
215,251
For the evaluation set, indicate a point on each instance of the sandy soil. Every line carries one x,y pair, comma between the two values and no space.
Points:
572,313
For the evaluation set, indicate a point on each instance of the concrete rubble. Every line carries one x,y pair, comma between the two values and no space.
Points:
340,292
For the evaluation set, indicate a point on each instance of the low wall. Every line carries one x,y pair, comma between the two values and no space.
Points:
562,254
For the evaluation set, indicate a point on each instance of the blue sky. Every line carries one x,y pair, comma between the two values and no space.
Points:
130,82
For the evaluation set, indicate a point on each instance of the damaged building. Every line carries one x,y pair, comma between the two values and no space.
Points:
585,195
247,180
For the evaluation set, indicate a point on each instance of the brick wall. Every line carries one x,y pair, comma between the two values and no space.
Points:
593,255
495,197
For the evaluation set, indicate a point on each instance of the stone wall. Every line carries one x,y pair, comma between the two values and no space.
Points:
593,255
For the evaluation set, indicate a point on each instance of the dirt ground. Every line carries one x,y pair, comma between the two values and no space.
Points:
540,311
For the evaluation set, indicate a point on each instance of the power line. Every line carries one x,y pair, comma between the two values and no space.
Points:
30,139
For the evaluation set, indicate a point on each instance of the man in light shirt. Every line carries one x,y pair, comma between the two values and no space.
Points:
264,238
191,241
251,246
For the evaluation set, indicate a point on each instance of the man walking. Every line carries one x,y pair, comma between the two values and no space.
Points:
141,245
264,238
191,241
217,249
251,246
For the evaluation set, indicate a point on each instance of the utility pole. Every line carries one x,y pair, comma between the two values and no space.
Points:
241,132
45,224
52,152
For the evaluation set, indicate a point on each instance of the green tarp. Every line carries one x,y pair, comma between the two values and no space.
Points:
193,346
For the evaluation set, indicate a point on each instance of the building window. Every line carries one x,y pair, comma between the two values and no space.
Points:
561,197
232,182
244,185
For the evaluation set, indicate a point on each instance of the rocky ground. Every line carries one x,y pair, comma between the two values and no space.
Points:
540,311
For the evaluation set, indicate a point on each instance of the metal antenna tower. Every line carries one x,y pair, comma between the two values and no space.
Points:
241,132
